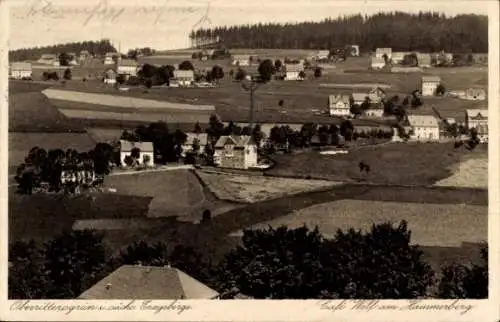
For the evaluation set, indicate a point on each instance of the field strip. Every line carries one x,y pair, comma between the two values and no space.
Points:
142,117
120,101
359,85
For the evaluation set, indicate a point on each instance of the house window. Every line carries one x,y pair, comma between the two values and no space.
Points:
228,150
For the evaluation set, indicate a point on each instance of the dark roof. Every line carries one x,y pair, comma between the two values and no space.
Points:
148,282
237,140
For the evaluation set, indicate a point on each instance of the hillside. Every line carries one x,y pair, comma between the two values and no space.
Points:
425,31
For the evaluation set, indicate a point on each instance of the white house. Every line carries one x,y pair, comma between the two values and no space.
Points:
379,53
293,71
127,67
72,59
375,96
110,77
478,119
146,152
183,77
429,85
48,59
340,105
322,54
238,152
355,50
423,127
241,60
20,70
424,60
202,139
377,63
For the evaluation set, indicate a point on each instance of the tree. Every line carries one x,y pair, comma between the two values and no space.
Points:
206,216
302,74
216,128
317,72
278,65
462,281
67,74
129,161
346,130
186,65
75,261
196,145
355,110
217,73
386,59
440,90
240,74
266,70
197,128
323,135
64,59
257,134
135,153
283,263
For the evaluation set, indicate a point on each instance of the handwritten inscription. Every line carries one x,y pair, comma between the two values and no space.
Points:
132,305
105,13
410,305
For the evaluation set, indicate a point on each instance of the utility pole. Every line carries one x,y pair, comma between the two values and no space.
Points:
251,88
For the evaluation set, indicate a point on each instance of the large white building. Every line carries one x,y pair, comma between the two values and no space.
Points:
48,59
339,105
293,72
146,152
423,127
127,67
430,84
478,119
20,70
237,152
182,78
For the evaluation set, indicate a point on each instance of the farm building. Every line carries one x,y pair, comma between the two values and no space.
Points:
424,60
127,67
475,94
84,55
322,54
377,63
241,60
430,84
48,59
110,77
202,139
20,70
146,152
423,127
478,119
340,105
375,96
183,78
149,282
294,71
380,52
78,174
398,56
238,152
111,58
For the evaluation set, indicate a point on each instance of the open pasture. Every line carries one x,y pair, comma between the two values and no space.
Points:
472,172
33,112
395,163
431,224
251,189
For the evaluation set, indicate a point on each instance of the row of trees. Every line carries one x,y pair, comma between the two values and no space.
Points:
423,31
42,167
279,263
93,47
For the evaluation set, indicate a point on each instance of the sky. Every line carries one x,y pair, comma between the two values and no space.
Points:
165,24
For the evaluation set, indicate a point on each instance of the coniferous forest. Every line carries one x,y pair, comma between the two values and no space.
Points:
94,47
424,31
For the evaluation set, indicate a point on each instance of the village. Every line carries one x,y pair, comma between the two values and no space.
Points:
178,156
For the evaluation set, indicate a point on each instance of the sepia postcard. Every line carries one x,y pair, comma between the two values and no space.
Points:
279,160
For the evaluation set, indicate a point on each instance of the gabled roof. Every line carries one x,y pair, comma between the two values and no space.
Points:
148,282
294,67
202,138
336,98
436,79
423,120
127,146
359,96
475,113
239,141
128,62
20,66
241,57
183,73
48,56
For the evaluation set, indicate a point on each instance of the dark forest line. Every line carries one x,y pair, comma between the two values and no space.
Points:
424,31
